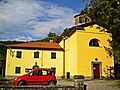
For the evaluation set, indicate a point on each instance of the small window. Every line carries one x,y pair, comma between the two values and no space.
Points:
94,42
19,54
53,55
36,54
17,70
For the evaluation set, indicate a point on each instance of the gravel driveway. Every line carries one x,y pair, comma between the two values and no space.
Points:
95,84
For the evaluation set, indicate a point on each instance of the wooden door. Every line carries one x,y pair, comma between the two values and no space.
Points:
96,71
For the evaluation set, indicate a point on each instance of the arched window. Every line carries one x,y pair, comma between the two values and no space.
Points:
94,42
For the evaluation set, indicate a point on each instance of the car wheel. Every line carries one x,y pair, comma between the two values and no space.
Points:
21,83
51,83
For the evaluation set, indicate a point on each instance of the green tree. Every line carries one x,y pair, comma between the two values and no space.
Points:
2,56
3,50
66,31
49,35
107,14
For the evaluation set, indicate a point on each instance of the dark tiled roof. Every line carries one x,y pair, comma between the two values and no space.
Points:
37,45
77,15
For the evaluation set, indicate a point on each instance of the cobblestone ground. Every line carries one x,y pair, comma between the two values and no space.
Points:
95,84
102,85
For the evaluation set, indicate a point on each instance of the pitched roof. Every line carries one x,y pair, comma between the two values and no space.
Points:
37,45
74,28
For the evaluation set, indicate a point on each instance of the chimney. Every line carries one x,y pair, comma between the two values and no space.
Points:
51,40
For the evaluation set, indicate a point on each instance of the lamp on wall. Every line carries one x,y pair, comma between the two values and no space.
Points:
37,50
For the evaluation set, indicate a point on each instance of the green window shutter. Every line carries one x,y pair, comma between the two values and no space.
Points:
53,55
36,54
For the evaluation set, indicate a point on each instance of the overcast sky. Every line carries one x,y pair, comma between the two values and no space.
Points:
26,20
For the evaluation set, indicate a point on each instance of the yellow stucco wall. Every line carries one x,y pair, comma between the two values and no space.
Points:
27,61
79,56
72,68
87,54
70,54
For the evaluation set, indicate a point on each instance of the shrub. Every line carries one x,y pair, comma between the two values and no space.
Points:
78,77
62,77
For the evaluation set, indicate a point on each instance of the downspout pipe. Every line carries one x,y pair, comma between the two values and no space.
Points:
64,58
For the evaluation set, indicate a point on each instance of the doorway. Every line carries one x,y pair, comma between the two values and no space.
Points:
96,68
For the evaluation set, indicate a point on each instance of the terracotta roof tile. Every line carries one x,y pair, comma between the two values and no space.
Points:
37,45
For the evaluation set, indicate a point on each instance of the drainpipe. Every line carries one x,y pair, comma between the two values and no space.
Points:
64,58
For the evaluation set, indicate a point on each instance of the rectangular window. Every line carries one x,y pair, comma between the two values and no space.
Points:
19,54
36,54
53,55
17,70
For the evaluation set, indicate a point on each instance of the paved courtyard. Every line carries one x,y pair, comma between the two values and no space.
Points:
95,84
102,85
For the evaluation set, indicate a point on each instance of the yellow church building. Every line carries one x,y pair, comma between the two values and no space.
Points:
81,52
85,52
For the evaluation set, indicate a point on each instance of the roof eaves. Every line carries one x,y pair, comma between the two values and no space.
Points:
87,24
74,30
59,39
77,15
34,48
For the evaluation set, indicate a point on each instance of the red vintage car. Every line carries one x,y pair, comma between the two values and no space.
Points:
39,76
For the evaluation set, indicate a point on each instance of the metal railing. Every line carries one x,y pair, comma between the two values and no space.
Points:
36,87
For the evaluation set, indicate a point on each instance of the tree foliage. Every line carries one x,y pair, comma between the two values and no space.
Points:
3,50
66,31
49,35
107,14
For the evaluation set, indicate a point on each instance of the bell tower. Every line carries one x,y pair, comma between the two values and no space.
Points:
81,19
